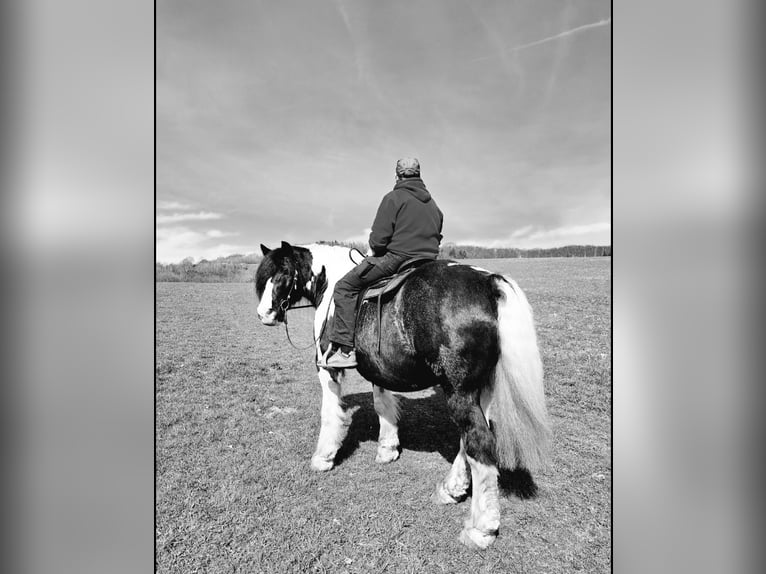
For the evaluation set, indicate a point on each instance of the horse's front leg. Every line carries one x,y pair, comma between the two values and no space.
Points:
334,422
388,414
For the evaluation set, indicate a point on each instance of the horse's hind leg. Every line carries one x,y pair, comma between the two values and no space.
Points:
481,529
454,487
334,422
388,414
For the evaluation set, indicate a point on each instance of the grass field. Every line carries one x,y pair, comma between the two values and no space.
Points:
237,417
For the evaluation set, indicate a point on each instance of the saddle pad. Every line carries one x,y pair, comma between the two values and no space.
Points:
391,284
386,285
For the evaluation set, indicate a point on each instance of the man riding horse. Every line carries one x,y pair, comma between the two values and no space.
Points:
408,224
464,329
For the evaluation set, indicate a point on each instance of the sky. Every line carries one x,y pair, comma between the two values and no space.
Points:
283,120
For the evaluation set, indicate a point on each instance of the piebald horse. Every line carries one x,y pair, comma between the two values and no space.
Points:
460,327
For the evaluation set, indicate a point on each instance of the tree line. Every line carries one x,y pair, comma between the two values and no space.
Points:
452,251
455,251
232,269
241,268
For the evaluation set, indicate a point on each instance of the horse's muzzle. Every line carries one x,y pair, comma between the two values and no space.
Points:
269,318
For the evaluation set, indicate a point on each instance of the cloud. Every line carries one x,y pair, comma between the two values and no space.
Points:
216,233
361,238
572,231
522,231
174,244
176,205
343,14
362,63
179,217
530,236
498,41
604,22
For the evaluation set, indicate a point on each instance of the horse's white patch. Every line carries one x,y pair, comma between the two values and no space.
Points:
265,312
485,402
303,301
335,259
474,267
334,423
387,407
456,483
337,262
480,269
485,503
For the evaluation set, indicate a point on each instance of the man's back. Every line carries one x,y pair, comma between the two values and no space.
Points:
408,221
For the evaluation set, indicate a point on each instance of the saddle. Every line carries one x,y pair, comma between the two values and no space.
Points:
388,286
391,284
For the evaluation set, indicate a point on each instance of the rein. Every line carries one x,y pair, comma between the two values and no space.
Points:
287,332
359,252
285,306
314,342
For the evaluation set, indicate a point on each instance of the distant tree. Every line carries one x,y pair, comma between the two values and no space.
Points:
252,258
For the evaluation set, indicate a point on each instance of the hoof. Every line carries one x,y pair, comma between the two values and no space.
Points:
441,496
320,464
476,539
387,454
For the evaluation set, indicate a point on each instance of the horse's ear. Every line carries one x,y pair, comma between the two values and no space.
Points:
287,247
265,250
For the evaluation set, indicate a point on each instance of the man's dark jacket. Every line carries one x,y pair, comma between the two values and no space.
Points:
408,222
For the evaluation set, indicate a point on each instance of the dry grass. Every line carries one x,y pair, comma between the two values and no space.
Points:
237,416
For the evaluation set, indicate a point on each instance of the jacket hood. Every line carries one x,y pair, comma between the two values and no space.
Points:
416,187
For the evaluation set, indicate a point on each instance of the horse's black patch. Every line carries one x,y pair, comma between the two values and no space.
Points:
440,328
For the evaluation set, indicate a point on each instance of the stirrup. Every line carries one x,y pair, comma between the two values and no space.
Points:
341,360
322,360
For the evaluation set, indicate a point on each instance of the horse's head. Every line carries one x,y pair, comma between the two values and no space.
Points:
276,283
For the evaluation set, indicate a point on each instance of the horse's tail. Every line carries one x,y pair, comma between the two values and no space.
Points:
516,403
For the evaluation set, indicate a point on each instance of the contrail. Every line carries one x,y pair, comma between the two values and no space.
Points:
604,22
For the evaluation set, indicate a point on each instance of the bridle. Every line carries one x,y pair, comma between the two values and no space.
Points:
284,305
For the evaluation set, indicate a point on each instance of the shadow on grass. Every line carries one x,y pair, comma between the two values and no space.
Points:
519,482
424,426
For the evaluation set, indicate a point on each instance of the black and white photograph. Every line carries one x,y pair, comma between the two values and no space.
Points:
383,298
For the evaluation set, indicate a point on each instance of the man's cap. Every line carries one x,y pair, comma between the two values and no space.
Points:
408,166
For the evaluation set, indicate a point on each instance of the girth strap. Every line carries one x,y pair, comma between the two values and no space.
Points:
380,319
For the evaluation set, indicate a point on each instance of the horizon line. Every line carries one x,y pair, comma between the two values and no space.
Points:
346,243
